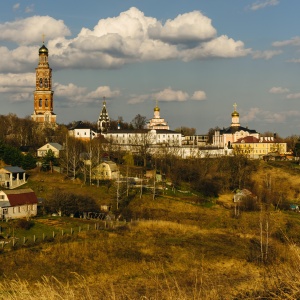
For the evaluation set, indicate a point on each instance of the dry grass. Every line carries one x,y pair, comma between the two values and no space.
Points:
183,251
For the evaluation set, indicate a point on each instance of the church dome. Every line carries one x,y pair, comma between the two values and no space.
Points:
156,108
235,114
43,49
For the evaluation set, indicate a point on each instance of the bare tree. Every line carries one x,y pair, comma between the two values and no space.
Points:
141,143
70,158
138,122
186,130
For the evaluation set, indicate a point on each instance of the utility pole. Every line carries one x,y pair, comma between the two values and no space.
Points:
141,192
127,185
118,191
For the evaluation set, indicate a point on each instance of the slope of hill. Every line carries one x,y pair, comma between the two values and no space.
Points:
174,248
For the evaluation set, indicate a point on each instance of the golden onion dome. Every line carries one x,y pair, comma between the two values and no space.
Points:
43,49
235,114
156,108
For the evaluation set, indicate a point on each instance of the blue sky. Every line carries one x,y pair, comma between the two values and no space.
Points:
197,58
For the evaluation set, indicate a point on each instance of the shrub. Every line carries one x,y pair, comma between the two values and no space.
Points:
24,224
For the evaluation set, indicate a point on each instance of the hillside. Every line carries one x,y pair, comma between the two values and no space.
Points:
173,247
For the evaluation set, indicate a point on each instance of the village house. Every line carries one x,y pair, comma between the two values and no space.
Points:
54,147
18,204
82,132
12,177
107,170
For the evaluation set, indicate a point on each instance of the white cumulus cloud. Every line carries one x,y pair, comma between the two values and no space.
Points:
278,90
293,96
188,27
30,30
199,95
169,94
130,37
268,54
103,91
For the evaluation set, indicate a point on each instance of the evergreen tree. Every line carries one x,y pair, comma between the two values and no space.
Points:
12,156
49,160
29,162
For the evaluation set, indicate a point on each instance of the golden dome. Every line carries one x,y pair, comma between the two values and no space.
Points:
43,49
235,114
156,108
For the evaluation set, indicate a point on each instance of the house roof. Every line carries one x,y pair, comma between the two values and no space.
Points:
80,125
56,146
247,140
234,129
12,169
158,131
21,197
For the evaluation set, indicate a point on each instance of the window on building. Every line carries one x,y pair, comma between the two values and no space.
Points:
46,102
40,102
41,82
46,82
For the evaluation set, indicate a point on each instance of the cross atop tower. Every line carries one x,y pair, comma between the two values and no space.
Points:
43,38
234,106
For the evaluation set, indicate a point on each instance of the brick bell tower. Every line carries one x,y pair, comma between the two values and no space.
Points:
43,95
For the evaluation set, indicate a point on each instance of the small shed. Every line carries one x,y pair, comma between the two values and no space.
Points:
240,194
12,177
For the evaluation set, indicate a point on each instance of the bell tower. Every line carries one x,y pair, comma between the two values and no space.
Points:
43,95
103,120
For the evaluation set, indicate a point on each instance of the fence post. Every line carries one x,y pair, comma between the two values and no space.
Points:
24,240
34,238
62,232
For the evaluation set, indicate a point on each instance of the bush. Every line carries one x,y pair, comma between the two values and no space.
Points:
24,224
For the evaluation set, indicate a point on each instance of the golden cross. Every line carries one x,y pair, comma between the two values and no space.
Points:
234,105
43,38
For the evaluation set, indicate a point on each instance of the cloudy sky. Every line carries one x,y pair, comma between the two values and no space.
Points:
197,58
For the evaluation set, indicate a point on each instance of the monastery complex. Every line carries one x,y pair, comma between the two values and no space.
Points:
157,135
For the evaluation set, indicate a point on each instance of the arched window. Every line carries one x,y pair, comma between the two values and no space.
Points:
41,82
46,103
46,82
40,103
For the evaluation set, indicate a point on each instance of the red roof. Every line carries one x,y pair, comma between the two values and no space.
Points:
27,196
247,139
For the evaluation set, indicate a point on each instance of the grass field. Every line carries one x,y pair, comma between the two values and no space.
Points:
171,248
